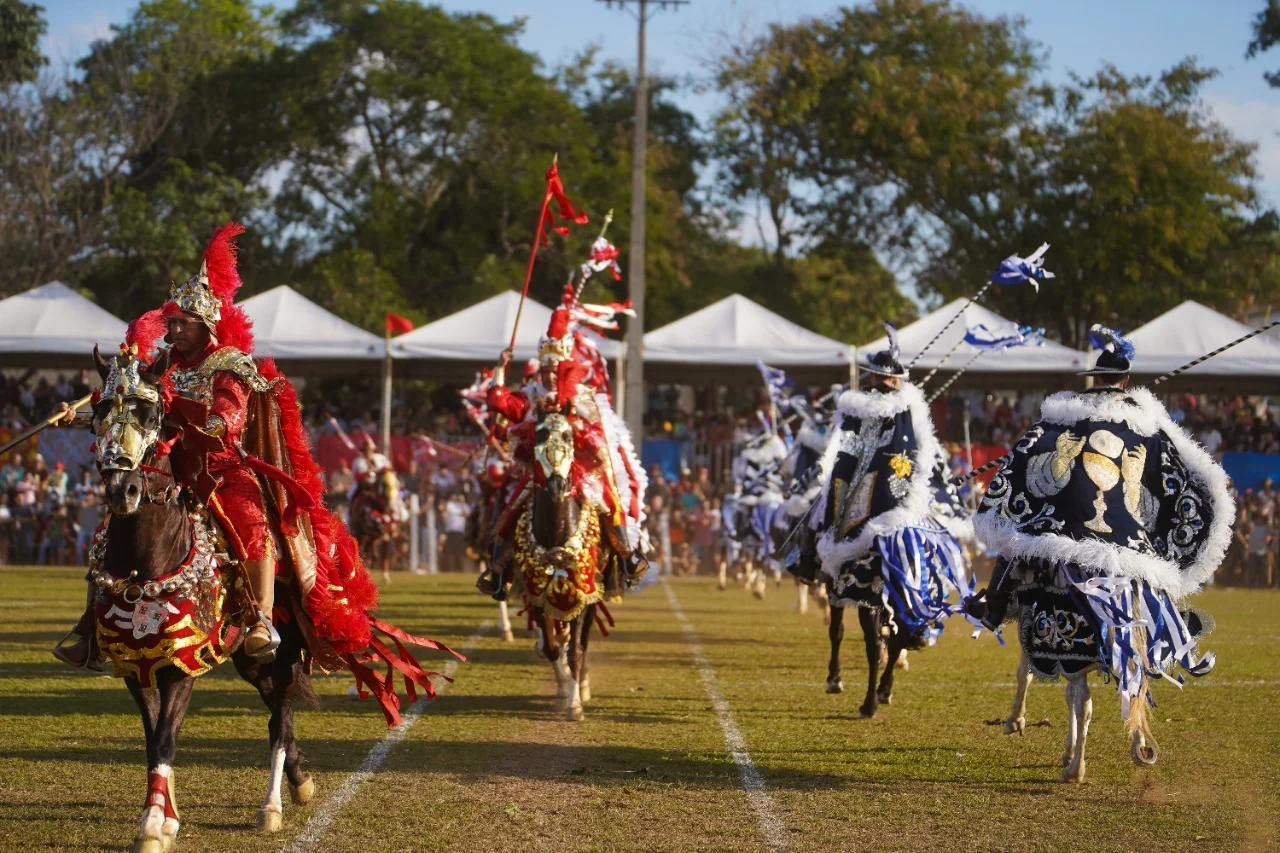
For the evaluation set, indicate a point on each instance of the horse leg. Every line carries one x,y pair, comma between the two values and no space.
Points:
1081,715
384,556
835,630
895,645
722,573
504,622
1073,722
870,622
551,647
576,654
163,711
1017,719
802,598
584,682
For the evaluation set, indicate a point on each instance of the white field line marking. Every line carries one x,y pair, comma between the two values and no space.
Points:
322,821
771,828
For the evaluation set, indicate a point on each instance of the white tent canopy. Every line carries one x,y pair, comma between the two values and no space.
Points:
290,327
1189,331
477,334
53,325
1051,358
737,331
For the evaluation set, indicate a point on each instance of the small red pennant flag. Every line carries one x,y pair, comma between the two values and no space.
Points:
397,325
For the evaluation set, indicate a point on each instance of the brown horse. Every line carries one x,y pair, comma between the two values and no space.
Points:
373,521
152,531
559,552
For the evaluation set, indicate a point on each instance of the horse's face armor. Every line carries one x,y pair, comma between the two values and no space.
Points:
554,450
126,420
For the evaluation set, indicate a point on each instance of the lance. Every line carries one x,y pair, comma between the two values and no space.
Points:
1171,374
582,283
945,358
533,252
1219,351
43,425
945,385
963,308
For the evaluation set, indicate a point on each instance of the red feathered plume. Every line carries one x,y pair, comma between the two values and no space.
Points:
148,329
559,326
569,375
220,262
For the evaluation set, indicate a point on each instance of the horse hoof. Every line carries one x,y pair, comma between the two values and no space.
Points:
885,698
151,845
903,664
866,712
1144,755
1012,726
575,714
1068,775
302,794
836,686
507,636
269,822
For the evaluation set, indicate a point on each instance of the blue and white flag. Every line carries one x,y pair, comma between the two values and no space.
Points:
776,381
1016,270
980,337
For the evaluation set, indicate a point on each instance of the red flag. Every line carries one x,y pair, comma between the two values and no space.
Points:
564,207
397,325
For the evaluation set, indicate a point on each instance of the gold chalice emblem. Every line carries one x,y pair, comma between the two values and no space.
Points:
1104,473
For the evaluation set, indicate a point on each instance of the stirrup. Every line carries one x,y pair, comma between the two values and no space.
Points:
93,661
268,653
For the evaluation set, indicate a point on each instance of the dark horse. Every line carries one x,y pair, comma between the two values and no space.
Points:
152,532
373,521
558,550
881,651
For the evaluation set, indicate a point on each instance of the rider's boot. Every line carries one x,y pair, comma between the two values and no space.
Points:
263,640
634,563
493,580
84,652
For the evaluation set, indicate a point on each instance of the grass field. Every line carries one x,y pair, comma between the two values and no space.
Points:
492,765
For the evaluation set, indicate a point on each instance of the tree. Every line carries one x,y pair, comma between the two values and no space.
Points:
1266,34
21,27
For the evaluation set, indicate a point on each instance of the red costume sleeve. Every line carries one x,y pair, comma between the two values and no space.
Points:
230,404
511,406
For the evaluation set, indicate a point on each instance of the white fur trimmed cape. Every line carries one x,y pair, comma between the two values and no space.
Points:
914,505
1173,528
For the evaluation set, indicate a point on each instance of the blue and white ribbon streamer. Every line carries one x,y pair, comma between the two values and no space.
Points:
1017,270
982,338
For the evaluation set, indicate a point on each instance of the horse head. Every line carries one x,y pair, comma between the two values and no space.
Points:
553,450
126,422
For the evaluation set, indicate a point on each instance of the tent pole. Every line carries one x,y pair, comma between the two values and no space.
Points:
620,395
386,395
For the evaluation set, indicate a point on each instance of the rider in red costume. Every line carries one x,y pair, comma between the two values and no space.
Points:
561,386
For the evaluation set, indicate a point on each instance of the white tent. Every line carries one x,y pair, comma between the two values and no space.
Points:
1189,331
1052,358
475,336
737,331
53,326
289,327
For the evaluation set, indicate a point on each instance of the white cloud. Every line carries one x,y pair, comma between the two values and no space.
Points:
1257,121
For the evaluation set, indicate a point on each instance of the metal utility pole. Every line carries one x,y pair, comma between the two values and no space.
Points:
634,399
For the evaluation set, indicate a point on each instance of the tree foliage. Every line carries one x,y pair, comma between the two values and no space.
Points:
21,26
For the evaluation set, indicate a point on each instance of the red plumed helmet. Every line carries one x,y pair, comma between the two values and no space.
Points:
559,325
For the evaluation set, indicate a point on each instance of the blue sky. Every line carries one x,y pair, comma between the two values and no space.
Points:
1138,36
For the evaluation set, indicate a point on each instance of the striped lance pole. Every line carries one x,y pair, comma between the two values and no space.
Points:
972,299
945,385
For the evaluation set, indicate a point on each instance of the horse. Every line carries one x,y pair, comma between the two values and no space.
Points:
374,522
558,551
157,552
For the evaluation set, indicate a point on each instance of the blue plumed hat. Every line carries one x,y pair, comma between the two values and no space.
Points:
885,362
1116,353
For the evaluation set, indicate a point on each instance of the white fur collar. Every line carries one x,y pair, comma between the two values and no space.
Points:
919,498
1137,407
874,404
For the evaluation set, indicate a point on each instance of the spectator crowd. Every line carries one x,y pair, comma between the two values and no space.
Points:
48,514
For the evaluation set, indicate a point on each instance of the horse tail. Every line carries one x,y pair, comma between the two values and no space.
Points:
1142,743
304,689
